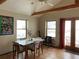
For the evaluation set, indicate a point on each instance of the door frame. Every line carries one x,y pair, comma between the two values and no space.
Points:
62,28
62,23
62,31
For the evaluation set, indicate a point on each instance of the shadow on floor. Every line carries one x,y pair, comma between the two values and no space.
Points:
73,52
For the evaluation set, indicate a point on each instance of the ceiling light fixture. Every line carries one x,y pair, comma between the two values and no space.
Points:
49,2
46,2
42,0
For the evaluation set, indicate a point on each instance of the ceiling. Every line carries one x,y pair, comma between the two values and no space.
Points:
27,7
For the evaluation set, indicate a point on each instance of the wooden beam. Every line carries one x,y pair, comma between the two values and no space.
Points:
77,1
60,8
57,9
1,1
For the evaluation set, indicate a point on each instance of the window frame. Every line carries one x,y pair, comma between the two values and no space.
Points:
22,28
46,27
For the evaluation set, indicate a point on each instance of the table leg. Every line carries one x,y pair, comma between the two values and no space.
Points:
26,52
14,52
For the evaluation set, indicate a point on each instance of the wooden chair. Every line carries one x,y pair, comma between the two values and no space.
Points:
41,46
35,48
17,49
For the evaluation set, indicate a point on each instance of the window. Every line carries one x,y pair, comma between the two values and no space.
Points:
67,33
77,33
21,29
51,28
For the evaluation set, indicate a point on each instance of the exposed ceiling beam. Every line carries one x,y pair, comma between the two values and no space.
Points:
60,8
2,1
57,9
77,1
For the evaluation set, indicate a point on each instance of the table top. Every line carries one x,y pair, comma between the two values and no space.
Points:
27,41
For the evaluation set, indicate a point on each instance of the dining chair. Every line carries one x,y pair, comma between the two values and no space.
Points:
17,49
35,48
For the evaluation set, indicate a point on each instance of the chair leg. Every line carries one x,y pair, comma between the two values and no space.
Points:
34,54
42,50
17,55
36,51
39,52
42,47
22,55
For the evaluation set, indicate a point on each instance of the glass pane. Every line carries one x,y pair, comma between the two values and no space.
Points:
21,33
51,33
21,24
51,24
77,34
67,33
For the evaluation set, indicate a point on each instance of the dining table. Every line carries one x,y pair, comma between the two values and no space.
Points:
26,42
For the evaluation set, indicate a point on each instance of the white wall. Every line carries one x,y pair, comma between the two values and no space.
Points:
56,15
33,26
6,40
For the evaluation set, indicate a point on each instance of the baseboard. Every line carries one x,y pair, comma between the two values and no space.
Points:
6,53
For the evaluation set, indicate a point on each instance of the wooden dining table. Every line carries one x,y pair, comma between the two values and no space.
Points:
26,42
